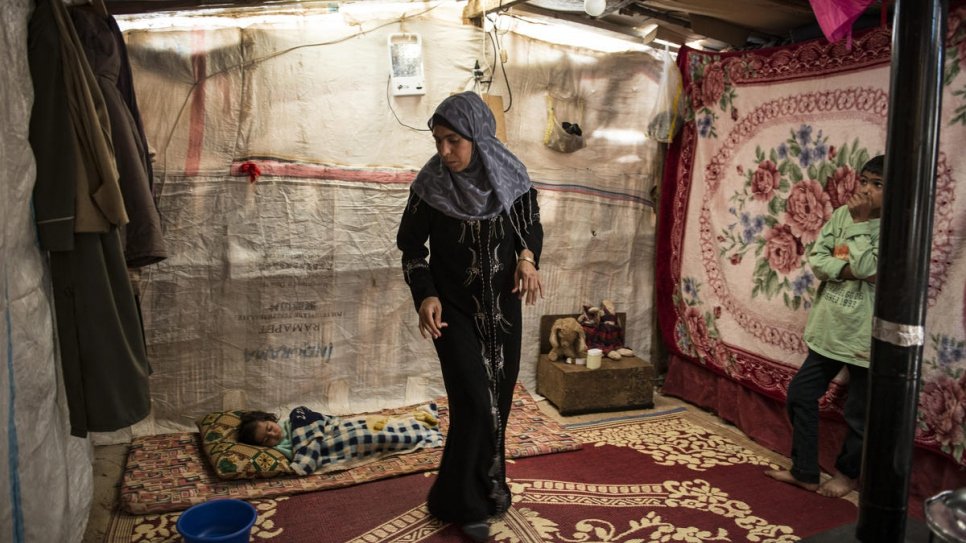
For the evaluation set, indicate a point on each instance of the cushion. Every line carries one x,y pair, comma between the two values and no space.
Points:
233,460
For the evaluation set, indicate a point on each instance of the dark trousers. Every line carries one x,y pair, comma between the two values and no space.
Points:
804,392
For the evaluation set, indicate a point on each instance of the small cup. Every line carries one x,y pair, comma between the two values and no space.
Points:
580,361
593,358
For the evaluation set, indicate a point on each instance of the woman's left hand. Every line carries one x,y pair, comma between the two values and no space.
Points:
526,281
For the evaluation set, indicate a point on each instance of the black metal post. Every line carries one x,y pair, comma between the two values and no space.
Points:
903,274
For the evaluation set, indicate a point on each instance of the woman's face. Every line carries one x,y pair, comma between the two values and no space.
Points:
455,150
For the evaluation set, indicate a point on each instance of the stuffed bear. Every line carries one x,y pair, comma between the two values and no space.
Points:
603,330
567,339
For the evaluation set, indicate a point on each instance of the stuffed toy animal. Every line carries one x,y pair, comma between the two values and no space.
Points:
609,331
590,317
567,339
603,330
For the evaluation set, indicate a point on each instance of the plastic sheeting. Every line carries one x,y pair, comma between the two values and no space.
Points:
289,290
45,474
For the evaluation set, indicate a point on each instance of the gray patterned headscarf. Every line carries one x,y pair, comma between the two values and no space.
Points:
494,179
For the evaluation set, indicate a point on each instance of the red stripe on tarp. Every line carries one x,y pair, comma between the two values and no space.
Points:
319,171
196,127
301,170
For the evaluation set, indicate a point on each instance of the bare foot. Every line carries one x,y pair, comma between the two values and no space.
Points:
836,487
786,476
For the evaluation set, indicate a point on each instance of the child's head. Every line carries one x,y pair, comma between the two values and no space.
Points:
871,181
875,165
259,428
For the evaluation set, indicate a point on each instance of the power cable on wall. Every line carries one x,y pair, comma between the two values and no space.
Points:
498,53
258,60
486,64
389,103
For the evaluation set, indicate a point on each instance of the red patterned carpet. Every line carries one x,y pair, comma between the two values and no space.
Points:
662,477
167,472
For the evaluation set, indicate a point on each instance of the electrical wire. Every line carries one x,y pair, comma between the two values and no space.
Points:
389,103
505,78
259,60
501,9
496,56
486,64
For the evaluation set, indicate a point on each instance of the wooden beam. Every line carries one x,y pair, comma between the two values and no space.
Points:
659,15
716,29
476,8
126,7
670,35
583,19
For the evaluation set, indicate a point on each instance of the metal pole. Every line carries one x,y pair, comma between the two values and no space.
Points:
903,273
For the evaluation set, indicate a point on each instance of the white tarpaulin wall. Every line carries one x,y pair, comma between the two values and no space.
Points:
45,475
289,291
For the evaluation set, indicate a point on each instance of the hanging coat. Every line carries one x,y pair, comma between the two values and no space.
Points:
78,211
142,238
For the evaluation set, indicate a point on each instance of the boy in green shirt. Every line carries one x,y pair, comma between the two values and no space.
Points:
838,334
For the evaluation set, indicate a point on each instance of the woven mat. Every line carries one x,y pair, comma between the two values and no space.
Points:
168,472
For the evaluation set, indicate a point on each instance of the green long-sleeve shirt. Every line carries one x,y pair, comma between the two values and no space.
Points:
840,322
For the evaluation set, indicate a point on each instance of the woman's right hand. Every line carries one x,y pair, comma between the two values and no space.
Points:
431,318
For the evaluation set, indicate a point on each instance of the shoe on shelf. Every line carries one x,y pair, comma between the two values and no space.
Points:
477,531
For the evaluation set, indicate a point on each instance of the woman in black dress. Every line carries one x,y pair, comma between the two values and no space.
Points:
475,204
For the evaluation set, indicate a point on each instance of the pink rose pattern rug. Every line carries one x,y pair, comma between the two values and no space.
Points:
773,144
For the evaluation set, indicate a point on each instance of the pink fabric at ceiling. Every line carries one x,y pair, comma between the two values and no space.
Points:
837,16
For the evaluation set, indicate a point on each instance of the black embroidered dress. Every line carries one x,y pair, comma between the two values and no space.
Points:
471,270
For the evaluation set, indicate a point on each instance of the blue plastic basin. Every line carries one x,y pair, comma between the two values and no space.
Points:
217,521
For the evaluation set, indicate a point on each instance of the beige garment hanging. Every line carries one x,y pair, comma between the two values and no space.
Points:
99,203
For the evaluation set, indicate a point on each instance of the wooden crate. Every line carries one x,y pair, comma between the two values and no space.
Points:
617,385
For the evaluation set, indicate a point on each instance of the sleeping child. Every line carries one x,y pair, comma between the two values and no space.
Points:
312,440
263,429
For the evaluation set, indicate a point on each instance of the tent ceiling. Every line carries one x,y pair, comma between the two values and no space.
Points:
716,24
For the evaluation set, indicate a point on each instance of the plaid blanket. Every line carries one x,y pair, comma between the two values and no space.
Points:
319,440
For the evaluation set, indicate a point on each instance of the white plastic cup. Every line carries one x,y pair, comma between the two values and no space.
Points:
593,358
580,361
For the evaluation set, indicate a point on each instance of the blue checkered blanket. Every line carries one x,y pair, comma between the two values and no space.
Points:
319,441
